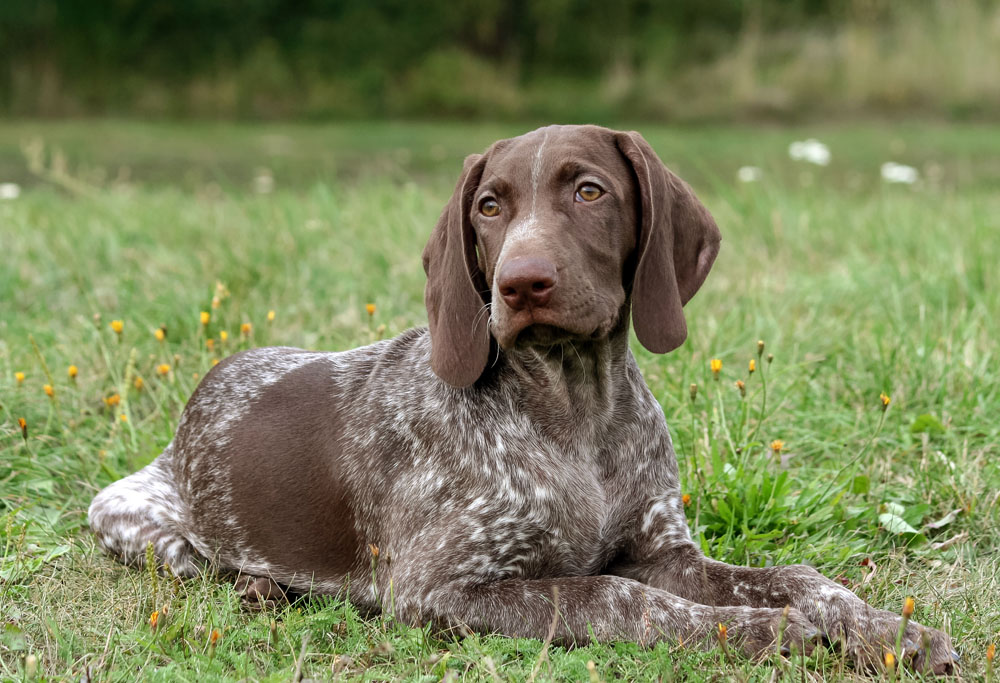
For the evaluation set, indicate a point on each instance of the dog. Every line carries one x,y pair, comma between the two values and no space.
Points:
506,465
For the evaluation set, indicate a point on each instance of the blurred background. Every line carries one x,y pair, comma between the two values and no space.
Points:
565,60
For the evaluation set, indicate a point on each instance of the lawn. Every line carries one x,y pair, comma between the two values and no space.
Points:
856,287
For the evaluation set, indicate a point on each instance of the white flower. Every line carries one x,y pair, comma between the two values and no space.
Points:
899,173
749,174
811,150
10,190
263,182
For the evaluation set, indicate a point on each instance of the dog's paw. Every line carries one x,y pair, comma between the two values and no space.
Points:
258,592
925,650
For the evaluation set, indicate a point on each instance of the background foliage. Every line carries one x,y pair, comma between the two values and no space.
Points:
570,60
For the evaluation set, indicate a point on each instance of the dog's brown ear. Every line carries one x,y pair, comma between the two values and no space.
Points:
677,244
456,287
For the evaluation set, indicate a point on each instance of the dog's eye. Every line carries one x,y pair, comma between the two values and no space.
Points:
489,207
588,192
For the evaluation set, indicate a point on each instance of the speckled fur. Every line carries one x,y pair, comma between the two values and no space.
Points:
549,484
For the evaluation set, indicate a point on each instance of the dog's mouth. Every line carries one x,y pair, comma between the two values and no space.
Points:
548,335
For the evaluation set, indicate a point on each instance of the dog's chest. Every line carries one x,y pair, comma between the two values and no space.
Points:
541,513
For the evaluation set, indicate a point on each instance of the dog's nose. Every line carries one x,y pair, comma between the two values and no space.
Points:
526,282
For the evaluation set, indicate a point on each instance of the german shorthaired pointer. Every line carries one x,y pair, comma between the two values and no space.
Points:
506,464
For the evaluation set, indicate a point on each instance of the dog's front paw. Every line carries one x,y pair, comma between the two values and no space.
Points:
926,650
774,630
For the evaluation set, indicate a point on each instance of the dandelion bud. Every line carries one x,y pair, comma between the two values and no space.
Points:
205,317
885,400
19,378
752,366
694,392
908,608
374,549
154,619
270,316
370,308
723,633
770,357
214,638
223,336
742,387
890,661
162,369
117,326
991,651
716,366
72,371
760,348
49,391
23,424
246,329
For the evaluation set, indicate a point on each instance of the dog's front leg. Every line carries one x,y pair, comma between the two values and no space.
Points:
606,608
665,557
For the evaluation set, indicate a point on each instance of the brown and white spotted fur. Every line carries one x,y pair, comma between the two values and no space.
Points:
507,462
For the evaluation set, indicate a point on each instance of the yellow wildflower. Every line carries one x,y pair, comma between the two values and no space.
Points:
214,638
370,308
777,445
112,400
908,608
205,317
23,424
890,661
991,651
686,499
49,391
138,383
246,329
723,632
884,398
154,619
210,343
72,371
270,316
160,333
215,361
123,417
19,377
117,326
716,366
162,369
752,366
223,335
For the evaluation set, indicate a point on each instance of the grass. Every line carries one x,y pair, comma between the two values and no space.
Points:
856,288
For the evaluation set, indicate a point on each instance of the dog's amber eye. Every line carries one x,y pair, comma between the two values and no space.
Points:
588,192
489,207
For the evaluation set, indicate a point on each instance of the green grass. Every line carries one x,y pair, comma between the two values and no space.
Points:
856,287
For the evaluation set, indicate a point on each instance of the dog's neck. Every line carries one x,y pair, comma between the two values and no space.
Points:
573,387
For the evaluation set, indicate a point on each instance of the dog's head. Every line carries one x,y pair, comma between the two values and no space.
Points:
548,234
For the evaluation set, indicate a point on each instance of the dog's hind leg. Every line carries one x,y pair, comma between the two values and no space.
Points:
145,508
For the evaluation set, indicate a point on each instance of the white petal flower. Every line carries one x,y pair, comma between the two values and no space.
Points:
899,173
749,174
812,151
10,190
263,182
